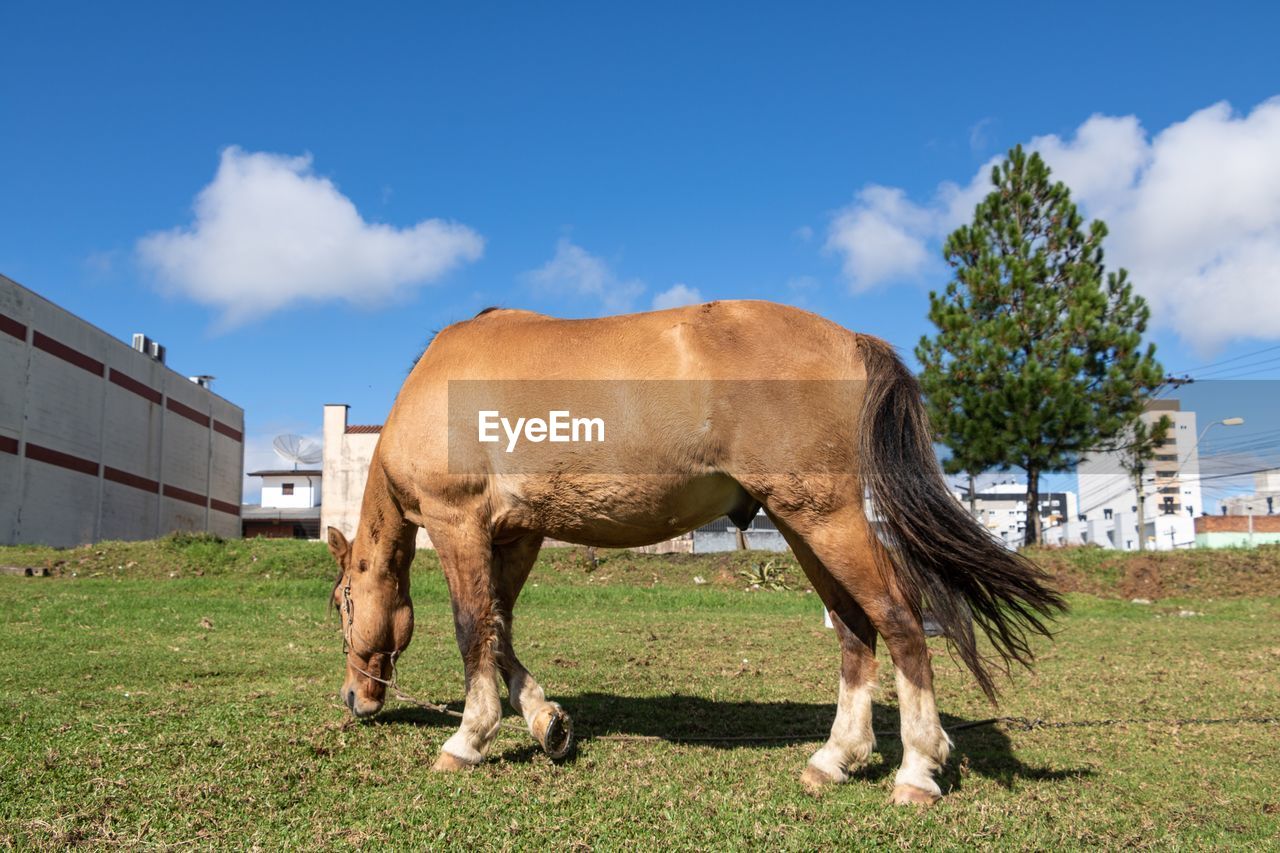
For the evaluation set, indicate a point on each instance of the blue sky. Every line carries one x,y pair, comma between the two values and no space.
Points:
584,158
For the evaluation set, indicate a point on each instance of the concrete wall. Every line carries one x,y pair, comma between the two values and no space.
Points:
345,467
717,541
98,441
1235,540
1228,531
721,535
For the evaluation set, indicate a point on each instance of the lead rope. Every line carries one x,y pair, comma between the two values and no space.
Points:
439,708
393,682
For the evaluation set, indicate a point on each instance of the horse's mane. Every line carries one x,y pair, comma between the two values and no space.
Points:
435,332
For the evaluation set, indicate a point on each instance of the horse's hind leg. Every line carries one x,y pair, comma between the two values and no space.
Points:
844,543
548,723
852,740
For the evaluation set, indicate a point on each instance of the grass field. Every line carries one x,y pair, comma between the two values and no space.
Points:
184,692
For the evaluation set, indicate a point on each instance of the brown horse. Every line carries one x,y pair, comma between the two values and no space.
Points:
710,410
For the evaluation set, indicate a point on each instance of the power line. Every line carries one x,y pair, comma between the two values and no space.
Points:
1247,373
1242,436
1237,473
1229,360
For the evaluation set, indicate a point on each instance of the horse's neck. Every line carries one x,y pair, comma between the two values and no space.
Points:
382,517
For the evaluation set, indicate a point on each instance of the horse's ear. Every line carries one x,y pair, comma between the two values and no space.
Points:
338,546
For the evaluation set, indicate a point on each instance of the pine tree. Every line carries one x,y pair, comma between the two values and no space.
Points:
1038,356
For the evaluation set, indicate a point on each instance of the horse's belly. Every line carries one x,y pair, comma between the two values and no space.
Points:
617,512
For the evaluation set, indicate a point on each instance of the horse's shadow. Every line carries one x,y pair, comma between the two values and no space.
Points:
722,724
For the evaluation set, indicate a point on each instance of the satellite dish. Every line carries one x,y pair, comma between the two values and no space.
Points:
295,449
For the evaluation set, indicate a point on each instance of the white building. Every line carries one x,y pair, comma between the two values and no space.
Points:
290,507
100,440
290,488
1171,489
1002,509
1265,499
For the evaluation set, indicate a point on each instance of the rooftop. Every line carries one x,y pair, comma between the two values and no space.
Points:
257,512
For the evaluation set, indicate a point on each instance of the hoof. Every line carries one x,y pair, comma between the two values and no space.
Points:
814,780
910,795
450,763
552,728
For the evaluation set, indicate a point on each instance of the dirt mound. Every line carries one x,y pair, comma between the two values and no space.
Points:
1221,573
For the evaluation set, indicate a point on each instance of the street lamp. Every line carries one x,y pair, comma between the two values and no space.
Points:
1223,422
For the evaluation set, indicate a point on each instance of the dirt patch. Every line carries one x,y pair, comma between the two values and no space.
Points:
1141,579
1225,573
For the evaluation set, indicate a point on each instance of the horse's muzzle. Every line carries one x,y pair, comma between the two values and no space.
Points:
359,707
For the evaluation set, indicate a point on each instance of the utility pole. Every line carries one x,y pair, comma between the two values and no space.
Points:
1142,500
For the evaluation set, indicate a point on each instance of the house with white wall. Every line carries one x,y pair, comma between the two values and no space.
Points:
290,507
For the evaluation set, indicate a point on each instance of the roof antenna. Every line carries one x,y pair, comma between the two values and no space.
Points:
296,449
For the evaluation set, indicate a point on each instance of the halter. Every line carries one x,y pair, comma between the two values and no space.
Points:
348,625
349,611
392,682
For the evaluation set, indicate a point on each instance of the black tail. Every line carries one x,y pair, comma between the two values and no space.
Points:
940,556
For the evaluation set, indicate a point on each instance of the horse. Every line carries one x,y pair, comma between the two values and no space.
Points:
723,408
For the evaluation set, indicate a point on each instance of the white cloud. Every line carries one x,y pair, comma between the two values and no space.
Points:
980,134
676,296
575,271
1193,211
268,233
881,237
1100,163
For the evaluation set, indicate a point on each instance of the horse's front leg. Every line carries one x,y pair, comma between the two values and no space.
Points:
468,561
550,726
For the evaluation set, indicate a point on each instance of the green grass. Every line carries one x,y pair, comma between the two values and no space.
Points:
138,708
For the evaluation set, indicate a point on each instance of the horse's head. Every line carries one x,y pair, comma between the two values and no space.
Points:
372,599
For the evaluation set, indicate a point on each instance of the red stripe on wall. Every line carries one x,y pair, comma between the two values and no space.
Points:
67,354
128,383
62,460
187,412
183,495
8,445
10,326
228,430
115,475
223,506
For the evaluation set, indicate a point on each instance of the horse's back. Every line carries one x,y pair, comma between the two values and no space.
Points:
732,339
